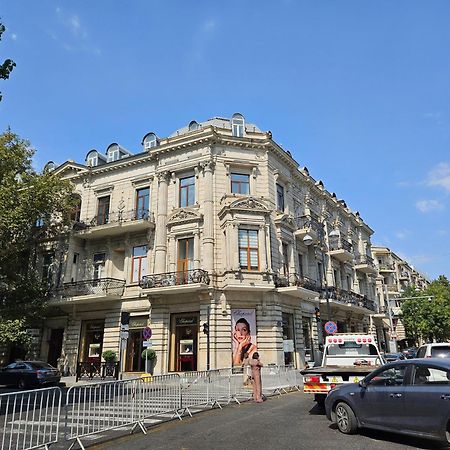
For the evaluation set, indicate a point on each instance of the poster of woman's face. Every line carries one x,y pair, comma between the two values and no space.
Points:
243,334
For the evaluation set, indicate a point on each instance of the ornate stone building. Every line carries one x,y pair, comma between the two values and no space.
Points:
217,225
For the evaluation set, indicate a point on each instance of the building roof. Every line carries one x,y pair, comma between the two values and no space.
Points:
219,122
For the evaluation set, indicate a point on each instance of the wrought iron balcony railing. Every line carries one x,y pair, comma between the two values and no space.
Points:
364,259
102,286
308,222
385,266
348,297
174,278
295,280
116,217
341,245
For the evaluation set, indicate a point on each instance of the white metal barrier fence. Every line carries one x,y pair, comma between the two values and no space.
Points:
30,419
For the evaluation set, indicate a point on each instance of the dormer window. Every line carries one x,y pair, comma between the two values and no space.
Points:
49,167
193,126
92,159
113,153
238,125
150,141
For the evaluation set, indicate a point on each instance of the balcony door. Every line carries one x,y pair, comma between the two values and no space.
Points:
103,210
185,260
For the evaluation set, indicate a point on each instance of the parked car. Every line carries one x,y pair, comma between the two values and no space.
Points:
434,350
393,356
411,397
410,352
25,374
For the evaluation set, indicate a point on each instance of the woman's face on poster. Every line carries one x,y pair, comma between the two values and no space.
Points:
241,331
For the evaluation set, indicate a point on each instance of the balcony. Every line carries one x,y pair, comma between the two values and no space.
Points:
103,289
307,225
392,287
297,286
341,250
404,276
365,264
175,282
385,267
115,224
349,298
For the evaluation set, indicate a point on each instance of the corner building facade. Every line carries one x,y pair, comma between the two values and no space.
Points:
213,224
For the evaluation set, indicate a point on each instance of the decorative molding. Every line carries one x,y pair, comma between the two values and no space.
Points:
163,176
184,216
102,190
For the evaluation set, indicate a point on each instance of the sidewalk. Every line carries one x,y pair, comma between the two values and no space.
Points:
70,381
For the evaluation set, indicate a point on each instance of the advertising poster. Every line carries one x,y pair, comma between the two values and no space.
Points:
243,334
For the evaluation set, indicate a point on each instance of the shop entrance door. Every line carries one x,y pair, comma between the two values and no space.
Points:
134,362
184,342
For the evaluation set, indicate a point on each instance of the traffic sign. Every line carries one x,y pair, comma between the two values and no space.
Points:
147,344
147,333
124,335
330,327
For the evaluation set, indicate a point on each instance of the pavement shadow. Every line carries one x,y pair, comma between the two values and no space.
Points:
395,438
317,410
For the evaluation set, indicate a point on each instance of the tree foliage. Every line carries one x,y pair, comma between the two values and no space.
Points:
8,64
26,199
426,314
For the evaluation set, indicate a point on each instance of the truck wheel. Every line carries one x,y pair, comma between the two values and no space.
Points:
345,419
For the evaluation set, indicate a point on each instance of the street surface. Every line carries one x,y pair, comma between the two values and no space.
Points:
291,421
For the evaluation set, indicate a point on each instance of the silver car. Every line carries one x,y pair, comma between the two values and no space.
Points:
409,397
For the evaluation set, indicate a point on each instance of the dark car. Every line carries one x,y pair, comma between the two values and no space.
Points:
29,374
389,357
410,352
409,397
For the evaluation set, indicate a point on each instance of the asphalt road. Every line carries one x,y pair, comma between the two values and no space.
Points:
291,421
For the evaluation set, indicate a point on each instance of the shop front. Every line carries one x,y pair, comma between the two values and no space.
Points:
135,346
183,342
91,341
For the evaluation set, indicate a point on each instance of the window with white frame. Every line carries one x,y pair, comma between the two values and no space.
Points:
240,183
139,263
238,125
187,191
113,154
248,249
92,159
99,265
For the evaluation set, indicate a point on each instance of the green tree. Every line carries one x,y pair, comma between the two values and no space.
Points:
8,64
33,210
426,314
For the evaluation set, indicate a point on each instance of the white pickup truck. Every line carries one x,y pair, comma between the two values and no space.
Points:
347,358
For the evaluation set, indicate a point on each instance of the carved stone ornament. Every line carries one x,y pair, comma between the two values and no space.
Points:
184,216
286,221
249,203
163,176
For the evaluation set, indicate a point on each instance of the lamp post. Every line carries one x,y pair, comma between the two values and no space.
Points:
308,240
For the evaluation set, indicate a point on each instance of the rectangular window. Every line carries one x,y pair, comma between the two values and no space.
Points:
285,259
187,191
240,183
74,270
280,198
113,155
301,272
248,249
185,259
139,263
142,203
46,267
75,213
103,210
99,265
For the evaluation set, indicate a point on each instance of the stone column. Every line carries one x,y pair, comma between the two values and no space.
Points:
196,249
262,248
208,217
268,247
161,223
173,253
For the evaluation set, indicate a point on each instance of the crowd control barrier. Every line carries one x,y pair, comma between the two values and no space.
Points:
30,419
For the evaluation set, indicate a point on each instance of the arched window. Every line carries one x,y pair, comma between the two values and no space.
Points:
113,153
49,167
150,141
238,125
193,126
92,158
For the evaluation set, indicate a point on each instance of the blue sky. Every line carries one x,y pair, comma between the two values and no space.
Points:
358,91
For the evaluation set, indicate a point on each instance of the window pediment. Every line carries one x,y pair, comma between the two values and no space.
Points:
184,216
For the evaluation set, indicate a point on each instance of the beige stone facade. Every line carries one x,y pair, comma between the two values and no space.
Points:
215,218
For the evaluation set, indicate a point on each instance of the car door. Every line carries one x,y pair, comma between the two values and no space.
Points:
7,374
380,403
427,398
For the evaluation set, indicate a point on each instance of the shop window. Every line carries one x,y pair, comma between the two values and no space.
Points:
288,339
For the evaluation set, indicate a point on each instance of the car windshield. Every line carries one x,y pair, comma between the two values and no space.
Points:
40,365
440,351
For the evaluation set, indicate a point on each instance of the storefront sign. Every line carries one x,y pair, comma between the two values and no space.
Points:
192,320
243,334
138,322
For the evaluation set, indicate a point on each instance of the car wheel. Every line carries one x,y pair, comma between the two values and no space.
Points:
345,419
22,384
